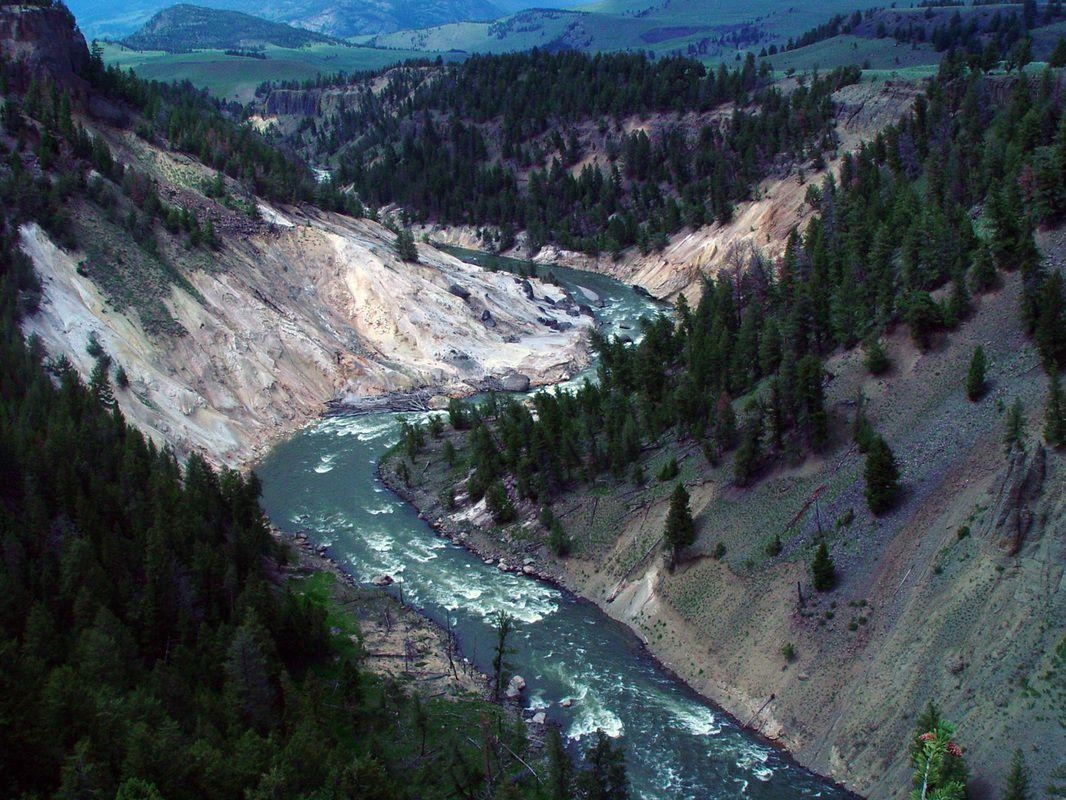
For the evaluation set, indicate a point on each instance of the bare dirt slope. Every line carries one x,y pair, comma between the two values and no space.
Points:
303,310
976,623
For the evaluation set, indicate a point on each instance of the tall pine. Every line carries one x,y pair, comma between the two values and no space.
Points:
680,532
882,477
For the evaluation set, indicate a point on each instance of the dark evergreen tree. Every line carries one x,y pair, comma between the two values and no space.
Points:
1055,414
882,477
405,246
1017,778
975,377
604,774
877,362
1014,428
680,530
823,573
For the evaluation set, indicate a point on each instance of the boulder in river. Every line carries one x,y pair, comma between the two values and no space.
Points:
566,702
515,382
515,686
382,580
539,718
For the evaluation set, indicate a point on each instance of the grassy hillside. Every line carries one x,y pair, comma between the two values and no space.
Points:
339,18
909,42
182,28
234,77
712,30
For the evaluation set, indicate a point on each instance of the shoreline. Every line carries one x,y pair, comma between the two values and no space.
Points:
493,553
462,675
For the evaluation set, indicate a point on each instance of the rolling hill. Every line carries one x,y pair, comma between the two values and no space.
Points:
714,31
182,28
109,19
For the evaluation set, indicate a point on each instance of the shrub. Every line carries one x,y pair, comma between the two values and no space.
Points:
499,504
559,540
405,246
823,573
670,470
877,361
788,650
975,377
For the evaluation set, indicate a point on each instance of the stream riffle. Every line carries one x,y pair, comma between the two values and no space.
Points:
323,482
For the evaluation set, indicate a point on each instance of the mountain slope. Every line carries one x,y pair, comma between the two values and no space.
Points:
341,18
182,28
235,321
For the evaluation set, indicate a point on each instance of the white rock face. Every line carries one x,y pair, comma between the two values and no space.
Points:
309,310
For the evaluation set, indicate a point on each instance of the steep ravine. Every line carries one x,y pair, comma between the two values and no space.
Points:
309,309
762,223
972,621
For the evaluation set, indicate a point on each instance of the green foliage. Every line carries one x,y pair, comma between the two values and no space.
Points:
604,774
504,629
823,573
457,415
559,539
882,477
1055,414
494,140
679,531
499,504
788,650
924,317
669,470
1017,779
975,377
185,28
405,246
1014,427
939,771
877,361
1058,55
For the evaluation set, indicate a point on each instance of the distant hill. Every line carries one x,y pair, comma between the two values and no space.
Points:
711,30
182,28
337,18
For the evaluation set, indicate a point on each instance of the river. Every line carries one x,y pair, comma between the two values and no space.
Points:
323,482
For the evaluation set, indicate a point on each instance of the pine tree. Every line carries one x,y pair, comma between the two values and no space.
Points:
823,573
1014,433
560,767
1055,414
882,477
100,384
1017,778
604,773
983,276
504,627
680,531
405,246
877,362
975,378
1058,55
